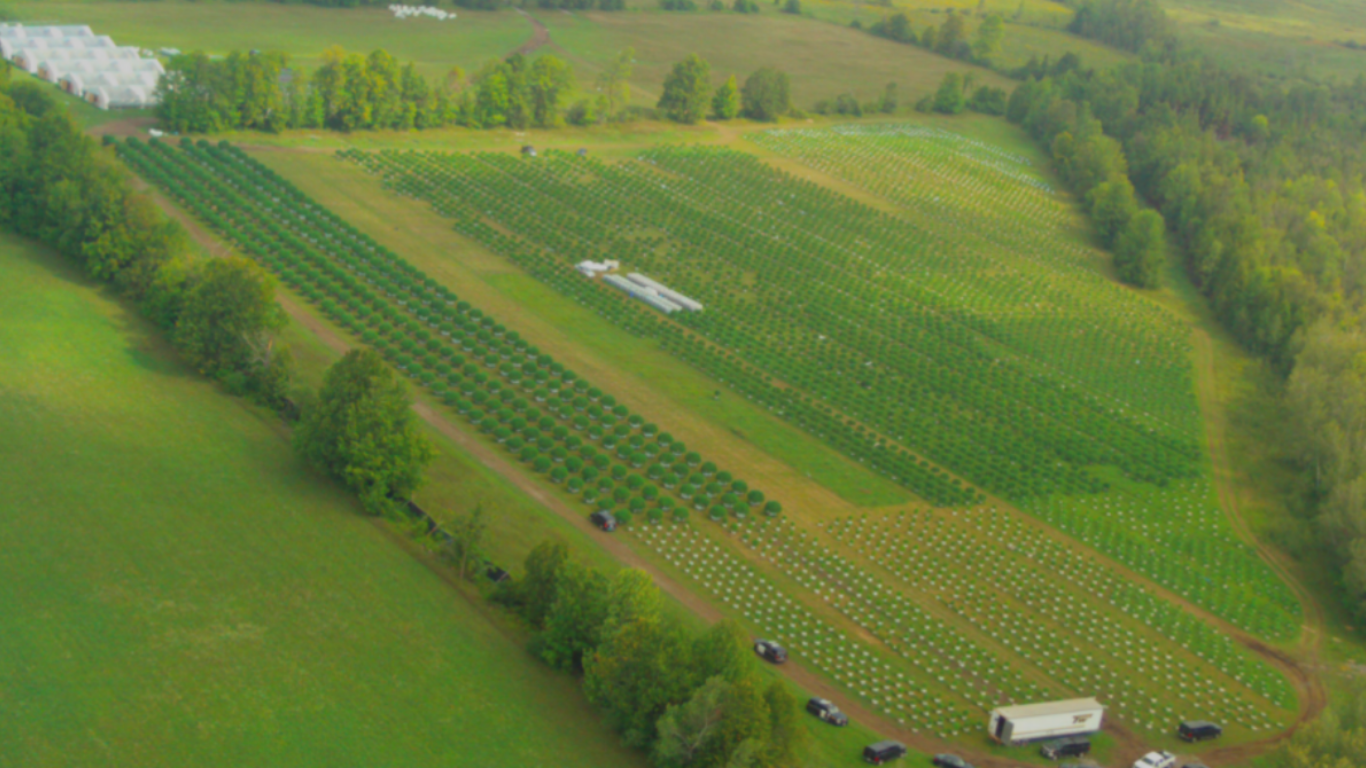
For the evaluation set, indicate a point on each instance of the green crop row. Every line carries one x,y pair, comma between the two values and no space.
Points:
547,416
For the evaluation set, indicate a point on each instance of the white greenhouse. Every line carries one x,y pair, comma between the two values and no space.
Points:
83,64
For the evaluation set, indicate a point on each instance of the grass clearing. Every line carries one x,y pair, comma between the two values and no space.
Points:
182,592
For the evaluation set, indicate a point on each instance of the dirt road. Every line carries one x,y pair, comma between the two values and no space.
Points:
1300,665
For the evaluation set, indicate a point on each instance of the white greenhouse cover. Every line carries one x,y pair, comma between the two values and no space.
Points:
94,67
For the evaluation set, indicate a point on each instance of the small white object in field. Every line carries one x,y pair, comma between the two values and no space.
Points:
401,11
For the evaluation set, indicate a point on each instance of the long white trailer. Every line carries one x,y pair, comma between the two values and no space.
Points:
685,302
1031,722
641,293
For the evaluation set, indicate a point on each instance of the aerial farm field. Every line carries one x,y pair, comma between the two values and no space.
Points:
180,591
970,350
920,434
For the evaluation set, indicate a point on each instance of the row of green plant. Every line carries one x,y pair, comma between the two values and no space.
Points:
899,682
1259,178
1124,349
266,217
1033,575
997,219
550,418
805,288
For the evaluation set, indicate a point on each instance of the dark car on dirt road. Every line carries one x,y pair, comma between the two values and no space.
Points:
826,710
604,520
1198,730
1075,746
770,651
883,751
950,761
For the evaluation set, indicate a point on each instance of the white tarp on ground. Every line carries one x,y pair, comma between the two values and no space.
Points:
83,64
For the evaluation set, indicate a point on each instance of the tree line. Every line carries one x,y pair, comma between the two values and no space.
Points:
58,187
1260,183
689,699
689,97
948,39
350,92
220,314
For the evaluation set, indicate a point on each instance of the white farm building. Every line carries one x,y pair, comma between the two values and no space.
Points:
83,64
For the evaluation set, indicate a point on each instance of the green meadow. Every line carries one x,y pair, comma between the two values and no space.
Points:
180,591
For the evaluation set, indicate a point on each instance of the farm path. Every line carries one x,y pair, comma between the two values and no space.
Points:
617,547
540,36
1309,686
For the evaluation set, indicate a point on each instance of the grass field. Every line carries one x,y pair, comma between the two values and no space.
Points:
303,31
182,592
1286,40
823,59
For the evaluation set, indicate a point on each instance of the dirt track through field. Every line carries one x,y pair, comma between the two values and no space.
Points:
540,36
1313,697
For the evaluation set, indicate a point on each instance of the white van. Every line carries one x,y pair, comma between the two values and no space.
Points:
1156,760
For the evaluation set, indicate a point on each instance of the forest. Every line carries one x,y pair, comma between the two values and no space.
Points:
1260,186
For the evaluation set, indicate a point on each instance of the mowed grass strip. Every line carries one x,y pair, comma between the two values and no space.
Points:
180,591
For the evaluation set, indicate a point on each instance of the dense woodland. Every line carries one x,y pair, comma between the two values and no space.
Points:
1261,186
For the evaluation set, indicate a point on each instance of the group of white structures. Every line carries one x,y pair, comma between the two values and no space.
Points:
84,64
409,11
640,287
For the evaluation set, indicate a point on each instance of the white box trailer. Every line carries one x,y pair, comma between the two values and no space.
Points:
1031,722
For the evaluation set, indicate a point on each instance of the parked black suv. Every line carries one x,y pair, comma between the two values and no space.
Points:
604,520
881,752
1071,747
827,711
1198,730
770,651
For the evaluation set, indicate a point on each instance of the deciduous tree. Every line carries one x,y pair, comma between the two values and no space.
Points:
725,103
766,95
362,430
687,90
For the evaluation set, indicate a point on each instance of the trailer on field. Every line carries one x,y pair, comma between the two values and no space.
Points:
1031,722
